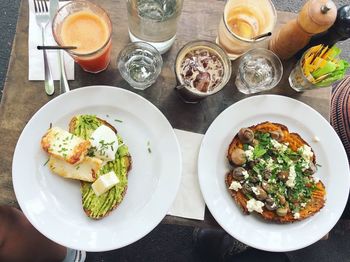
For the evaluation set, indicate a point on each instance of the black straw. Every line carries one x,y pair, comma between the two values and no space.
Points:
50,47
261,36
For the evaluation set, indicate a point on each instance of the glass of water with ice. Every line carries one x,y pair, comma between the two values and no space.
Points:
259,70
154,21
140,64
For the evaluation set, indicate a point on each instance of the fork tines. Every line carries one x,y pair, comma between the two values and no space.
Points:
40,6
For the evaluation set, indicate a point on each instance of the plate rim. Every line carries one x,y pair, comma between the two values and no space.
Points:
203,188
147,227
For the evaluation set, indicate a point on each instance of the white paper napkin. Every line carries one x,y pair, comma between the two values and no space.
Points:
189,202
36,59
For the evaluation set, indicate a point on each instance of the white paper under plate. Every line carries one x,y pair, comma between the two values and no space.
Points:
330,154
53,204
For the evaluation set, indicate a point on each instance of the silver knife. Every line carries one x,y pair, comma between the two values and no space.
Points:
64,87
53,8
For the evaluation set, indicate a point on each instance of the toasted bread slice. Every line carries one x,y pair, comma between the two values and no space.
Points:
294,140
84,171
64,145
121,166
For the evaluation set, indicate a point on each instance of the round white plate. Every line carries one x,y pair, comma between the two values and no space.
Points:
299,118
53,204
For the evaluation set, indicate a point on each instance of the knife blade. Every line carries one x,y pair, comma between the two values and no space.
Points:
64,86
53,8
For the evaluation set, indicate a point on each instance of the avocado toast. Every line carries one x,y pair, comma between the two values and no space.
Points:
97,207
272,174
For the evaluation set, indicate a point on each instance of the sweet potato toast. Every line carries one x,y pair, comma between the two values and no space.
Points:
275,168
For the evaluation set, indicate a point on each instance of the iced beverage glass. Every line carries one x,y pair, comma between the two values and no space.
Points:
242,21
89,28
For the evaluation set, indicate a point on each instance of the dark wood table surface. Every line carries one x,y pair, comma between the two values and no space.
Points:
199,20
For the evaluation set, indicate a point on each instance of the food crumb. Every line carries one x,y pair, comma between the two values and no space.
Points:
316,139
149,147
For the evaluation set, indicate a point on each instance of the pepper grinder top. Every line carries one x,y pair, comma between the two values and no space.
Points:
316,16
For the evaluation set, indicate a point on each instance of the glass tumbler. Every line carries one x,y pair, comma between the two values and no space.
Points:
298,80
202,69
140,64
258,70
89,28
241,22
154,21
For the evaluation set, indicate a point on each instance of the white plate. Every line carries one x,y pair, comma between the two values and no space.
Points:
330,153
53,204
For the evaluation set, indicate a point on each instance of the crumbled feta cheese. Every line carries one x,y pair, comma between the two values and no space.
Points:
291,177
275,144
259,177
255,190
255,205
235,186
316,179
306,152
280,147
279,160
303,204
296,215
245,174
316,139
305,165
249,153
262,161
270,164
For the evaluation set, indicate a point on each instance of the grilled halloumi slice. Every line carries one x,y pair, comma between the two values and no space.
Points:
64,145
85,170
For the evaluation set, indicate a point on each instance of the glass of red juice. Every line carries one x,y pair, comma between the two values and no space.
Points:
89,28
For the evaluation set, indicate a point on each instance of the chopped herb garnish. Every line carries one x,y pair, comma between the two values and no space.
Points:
91,152
259,151
149,147
46,162
119,121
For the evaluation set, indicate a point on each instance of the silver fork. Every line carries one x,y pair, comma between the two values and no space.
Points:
42,17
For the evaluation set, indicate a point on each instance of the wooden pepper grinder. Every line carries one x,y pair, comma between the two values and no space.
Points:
315,17
339,31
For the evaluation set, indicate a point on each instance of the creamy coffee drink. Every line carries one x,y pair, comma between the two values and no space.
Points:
202,69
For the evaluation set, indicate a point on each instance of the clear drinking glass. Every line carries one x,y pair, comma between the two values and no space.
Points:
202,69
241,22
140,64
154,21
298,81
258,70
84,13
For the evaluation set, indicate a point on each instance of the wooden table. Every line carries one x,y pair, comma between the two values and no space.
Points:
199,20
